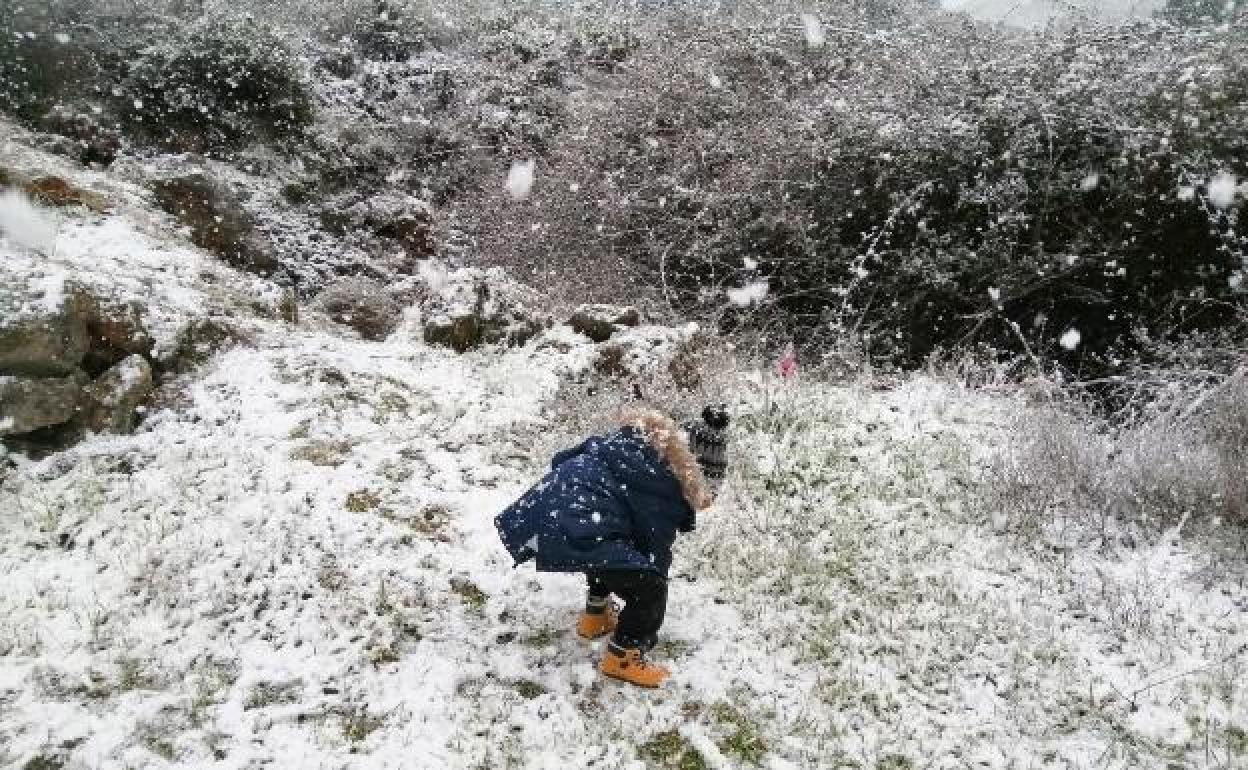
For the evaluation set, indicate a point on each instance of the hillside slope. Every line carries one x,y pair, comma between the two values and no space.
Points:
293,564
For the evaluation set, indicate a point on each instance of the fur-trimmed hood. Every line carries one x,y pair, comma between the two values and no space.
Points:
672,444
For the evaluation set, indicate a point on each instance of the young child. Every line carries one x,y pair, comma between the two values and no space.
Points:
611,508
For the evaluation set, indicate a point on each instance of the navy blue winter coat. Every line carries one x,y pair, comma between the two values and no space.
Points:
612,503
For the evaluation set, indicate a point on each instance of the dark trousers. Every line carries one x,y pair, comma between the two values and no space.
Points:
645,603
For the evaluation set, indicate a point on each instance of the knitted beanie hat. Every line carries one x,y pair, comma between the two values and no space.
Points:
708,438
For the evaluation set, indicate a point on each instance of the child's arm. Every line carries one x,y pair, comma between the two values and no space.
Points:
567,454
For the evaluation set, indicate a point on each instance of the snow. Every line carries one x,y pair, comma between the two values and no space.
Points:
293,564
520,179
812,28
1223,189
750,294
25,224
1090,182
1070,339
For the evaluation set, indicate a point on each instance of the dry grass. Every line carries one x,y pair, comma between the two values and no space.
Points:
1178,461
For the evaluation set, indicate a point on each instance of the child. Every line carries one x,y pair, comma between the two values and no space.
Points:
611,508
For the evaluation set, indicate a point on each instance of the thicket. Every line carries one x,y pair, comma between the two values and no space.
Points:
165,73
933,187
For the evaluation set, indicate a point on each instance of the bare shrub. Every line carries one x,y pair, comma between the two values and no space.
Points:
1176,461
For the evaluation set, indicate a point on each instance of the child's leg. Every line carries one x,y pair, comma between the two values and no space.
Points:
598,619
645,597
596,599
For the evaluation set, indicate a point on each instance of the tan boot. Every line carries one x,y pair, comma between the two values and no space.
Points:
630,665
593,625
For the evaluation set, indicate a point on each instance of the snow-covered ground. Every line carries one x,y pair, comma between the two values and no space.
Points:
293,565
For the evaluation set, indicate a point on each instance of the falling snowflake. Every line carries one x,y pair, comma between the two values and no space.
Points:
1091,182
1222,190
815,37
520,179
995,295
751,294
1071,339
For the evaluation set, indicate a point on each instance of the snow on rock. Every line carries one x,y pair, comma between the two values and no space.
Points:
475,307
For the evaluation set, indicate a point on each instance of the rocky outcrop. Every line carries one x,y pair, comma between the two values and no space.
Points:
477,307
600,322
217,218
363,304
68,360
44,328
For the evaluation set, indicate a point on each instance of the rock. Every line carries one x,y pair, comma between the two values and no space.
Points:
113,399
599,322
198,341
481,307
217,220
94,142
116,331
362,304
644,351
44,326
55,191
28,404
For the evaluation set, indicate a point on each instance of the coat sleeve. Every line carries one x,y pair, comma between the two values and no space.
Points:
567,454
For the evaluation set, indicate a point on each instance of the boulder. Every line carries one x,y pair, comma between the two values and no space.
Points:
477,307
116,331
599,322
114,399
363,304
44,326
217,219
28,404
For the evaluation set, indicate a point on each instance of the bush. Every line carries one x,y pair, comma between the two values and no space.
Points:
50,53
217,84
968,186
1178,460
